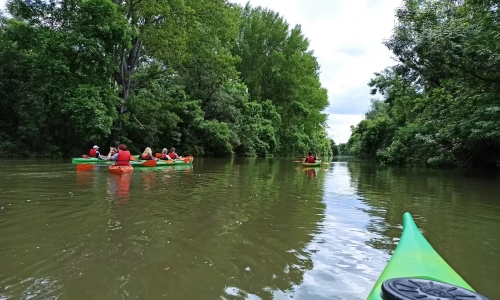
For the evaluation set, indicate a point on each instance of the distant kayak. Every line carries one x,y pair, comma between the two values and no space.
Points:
120,170
314,164
416,271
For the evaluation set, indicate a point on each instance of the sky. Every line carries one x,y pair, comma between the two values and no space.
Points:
346,36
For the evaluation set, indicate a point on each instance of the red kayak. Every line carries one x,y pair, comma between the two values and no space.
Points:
120,170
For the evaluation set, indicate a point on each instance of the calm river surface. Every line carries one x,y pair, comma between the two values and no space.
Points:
234,229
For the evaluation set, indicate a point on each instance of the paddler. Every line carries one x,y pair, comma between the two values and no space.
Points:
94,152
310,159
172,154
112,151
164,154
122,158
147,154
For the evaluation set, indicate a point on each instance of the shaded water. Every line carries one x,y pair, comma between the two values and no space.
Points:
234,229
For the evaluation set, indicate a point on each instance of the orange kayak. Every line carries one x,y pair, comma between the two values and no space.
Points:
120,170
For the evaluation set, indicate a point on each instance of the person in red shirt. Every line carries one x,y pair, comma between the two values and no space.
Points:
164,154
94,152
122,158
310,159
172,154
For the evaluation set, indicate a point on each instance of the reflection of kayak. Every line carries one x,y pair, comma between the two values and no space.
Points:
314,164
90,160
120,170
412,267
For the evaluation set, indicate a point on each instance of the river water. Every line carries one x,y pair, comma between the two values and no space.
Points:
234,229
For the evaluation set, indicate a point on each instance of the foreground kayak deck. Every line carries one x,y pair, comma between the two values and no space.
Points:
414,257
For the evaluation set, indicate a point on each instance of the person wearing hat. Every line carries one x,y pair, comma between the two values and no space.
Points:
94,152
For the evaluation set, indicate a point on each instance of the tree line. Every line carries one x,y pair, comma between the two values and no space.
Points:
441,103
207,77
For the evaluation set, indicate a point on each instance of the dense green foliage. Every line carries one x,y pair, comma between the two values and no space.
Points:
441,103
207,77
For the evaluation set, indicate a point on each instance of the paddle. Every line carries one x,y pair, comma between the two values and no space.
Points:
85,156
133,158
149,163
186,159
158,155
84,167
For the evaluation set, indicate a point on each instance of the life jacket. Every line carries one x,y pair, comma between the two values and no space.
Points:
165,156
123,158
146,156
172,155
310,159
93,153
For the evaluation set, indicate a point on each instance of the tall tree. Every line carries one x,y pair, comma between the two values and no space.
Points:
158,30
277,65
441,98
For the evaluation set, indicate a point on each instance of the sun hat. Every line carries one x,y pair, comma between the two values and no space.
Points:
95,147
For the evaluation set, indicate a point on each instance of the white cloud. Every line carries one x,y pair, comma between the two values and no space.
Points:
346,36
340,126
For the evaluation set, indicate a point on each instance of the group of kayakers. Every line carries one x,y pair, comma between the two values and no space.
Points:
122,156
165,154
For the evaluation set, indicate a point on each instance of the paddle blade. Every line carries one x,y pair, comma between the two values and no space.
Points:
84,167
149,163
133,158
187,159
158,155
85,156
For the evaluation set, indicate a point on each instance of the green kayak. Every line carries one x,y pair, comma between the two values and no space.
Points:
90,160
314,164
185,167
160,163
413,265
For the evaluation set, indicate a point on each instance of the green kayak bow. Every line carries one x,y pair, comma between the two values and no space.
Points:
314,164
90,160
416,271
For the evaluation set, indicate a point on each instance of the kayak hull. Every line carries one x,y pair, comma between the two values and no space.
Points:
414,257
186,167
90,160
186,161
315,164
120,170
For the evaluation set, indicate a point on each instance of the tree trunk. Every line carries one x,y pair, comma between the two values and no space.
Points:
128,66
